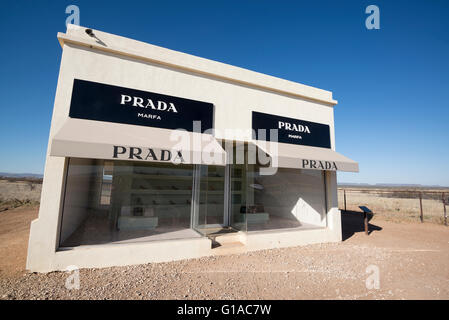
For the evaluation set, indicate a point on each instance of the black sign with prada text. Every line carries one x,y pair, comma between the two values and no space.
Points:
102,102
291,131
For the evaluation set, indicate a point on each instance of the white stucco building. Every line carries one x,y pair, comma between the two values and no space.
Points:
156,155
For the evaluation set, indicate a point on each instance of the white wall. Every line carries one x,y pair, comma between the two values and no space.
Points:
233,103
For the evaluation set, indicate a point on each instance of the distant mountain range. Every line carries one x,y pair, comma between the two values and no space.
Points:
21,175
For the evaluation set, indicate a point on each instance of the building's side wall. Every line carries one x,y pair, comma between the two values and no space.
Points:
44,235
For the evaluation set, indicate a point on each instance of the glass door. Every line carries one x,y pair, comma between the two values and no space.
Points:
209,198
238,197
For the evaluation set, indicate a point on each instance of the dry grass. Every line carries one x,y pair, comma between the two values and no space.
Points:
17,193
395,205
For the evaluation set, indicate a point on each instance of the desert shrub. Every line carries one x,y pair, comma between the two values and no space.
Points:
15,203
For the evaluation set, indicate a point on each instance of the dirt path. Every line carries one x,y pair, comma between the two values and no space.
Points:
412,260
14,231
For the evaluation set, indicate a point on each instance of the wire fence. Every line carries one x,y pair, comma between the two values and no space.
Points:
403,205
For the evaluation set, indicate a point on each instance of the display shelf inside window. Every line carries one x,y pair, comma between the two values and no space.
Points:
151,195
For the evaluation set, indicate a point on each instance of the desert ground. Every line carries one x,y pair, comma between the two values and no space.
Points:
411,259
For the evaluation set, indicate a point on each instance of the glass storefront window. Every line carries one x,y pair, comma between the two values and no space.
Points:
290,198
144,202
106,187
129,201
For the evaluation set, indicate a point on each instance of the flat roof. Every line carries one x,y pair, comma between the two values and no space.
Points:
147,52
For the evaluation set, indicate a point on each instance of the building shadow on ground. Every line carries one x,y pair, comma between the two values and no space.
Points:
352,222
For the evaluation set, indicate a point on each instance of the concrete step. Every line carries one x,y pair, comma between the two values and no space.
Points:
230,238
229,248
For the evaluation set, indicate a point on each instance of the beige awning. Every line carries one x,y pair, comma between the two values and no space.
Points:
286,155
106,140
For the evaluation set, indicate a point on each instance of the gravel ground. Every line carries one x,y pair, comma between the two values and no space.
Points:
412,259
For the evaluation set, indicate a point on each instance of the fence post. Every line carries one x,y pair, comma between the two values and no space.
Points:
365,220
344,194
420,207
444,206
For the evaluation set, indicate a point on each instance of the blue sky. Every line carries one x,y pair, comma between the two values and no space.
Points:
392,84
